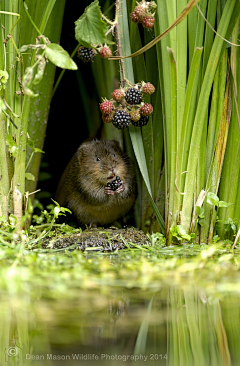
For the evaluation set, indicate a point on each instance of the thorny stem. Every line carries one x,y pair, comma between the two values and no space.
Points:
122,75
111,29
108,21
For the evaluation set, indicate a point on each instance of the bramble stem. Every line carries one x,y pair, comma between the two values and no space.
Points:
117,35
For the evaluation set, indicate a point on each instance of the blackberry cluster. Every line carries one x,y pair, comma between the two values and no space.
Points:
115,184
143,121
86,54
121,119
133,96
127,106
144,13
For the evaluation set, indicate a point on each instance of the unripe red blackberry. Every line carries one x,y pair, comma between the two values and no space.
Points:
146,109
133,96
148,88
134,17
121,119
86,54
107,118
148,21
106,107
118,94
141,122
105,52
140,12
135,116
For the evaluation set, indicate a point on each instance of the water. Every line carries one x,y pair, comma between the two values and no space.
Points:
121,326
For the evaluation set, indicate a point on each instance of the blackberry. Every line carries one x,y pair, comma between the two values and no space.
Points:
115,184
121,119
106,107
146,109
86,54
140,12
118,94
105,52
135,115
148,21
141,122
134,17
148,88
107,118
133,96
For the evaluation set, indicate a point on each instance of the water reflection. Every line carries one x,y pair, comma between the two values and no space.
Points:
114,326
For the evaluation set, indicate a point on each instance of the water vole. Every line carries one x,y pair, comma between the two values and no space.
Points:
84,184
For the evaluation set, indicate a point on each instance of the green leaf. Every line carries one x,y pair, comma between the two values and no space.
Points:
31,145
12,145
212,199
182,233
29,176
224,204
36,149
90,29
198,210
59,57
2,105
26,82
40,70
3,78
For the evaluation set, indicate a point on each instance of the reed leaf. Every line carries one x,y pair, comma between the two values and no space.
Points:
173,204
135,133
201,113
188,118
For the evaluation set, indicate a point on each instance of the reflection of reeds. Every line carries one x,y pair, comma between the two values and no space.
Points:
186,326
21,335
197,334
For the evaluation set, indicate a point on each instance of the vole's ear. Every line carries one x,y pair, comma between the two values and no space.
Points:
81,151
115,145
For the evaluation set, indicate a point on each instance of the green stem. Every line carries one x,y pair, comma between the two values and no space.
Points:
29,161
63,71
30,18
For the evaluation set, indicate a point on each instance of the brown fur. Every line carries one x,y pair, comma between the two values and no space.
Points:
83,183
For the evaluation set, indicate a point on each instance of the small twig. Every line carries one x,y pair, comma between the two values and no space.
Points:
10,119
38,190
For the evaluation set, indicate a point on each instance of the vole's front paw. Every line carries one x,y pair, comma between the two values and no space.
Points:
108,191
121,188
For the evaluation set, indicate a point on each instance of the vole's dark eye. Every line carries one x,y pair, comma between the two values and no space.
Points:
113,155
98,159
